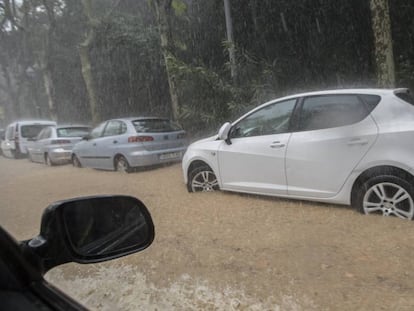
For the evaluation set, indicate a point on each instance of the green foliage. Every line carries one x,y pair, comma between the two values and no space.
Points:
179,7
281,47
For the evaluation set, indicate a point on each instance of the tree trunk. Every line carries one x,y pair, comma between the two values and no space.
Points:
163,10
381,26
87,74
49,88
11,106
45,59
230,40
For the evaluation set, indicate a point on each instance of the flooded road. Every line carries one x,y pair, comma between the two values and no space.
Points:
221,251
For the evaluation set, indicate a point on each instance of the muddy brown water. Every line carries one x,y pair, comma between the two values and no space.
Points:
221,251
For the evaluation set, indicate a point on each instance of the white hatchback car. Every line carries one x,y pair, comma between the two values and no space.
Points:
341,146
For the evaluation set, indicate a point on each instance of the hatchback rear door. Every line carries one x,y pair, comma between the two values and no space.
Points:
334,133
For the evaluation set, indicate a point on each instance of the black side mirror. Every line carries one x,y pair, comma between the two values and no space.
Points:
90,229
86,137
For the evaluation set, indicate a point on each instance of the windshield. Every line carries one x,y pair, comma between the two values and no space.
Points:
271,141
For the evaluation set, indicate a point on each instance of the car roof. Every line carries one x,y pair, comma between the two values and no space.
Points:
72,125
140,118
25,122
371,91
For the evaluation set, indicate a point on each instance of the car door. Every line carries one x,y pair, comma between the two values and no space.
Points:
334,133
86,151
255,159
109,144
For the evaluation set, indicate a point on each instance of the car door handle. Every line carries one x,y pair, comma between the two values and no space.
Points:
357,141
115,141
276,144
94,144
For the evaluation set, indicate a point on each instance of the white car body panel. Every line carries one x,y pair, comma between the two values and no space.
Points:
254,164
319,162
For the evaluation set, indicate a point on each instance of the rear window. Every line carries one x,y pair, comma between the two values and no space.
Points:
31,131
407,97
371,101
155,126
73,131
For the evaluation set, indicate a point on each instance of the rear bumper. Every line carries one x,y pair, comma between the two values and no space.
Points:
147,158
60,155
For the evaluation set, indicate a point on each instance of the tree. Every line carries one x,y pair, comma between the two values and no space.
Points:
164,13
87,73
384,57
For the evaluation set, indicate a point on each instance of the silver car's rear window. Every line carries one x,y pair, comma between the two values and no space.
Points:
155,126
73,131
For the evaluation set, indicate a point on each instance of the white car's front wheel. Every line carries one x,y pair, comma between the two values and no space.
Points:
202,178
387,196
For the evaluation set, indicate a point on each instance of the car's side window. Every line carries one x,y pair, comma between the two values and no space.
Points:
97,131
115,128
328,111
272,119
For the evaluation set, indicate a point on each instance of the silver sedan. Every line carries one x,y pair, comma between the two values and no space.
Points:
122,144
53,145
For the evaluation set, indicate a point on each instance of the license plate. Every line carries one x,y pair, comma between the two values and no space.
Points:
171,155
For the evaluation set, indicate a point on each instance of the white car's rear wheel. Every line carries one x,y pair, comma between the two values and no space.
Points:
387,196
202,178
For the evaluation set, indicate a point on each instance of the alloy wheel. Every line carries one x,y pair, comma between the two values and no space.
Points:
204,181
388,199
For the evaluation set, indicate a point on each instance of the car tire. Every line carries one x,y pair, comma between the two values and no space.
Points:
122,165
48,161
202,178
75,161
386,195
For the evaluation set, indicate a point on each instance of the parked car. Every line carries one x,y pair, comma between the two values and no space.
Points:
54,144
122,144
342,146
18,134
82,230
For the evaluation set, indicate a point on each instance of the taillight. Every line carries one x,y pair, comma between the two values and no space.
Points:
140,139
60,142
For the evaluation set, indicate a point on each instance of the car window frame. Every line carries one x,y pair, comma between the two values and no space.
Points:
298,127
291,121
122,128
103,124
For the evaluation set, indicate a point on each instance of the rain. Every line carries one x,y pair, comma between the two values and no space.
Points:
200,64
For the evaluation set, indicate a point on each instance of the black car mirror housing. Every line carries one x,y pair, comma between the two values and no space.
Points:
89,230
